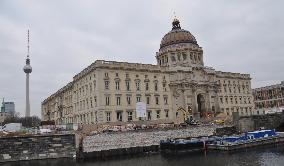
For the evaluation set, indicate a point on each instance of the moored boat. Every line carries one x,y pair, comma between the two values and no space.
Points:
185,145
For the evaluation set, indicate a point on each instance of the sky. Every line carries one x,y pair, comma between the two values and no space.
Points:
68,35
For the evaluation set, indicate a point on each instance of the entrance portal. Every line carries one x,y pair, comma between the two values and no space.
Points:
201,105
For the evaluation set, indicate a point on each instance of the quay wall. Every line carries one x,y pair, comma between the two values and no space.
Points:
268,121
134,142
32,147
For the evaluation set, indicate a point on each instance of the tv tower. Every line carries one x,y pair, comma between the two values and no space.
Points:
28,69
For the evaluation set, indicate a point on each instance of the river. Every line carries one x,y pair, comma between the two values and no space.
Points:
260,157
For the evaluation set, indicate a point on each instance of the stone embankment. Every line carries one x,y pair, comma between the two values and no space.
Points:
130,139
33,147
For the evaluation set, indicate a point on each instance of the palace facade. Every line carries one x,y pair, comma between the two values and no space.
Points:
107,91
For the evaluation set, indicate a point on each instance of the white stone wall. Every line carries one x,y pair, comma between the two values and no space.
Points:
106,141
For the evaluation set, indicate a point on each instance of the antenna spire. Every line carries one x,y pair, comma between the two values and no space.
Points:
28,43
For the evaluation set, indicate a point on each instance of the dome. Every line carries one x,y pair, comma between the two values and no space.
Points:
177,35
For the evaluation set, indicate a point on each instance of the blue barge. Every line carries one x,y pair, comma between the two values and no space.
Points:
247,140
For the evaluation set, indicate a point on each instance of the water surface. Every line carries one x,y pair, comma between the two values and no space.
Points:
259,157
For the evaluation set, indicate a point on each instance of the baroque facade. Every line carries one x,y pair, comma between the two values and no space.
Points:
107,91
269,97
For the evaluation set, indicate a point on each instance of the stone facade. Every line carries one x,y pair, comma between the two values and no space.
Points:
269,97
37,147
107,91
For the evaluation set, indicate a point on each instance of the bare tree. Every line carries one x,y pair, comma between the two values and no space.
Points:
32,121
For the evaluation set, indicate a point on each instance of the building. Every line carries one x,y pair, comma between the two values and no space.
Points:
7,109
269,98
10,108
180,84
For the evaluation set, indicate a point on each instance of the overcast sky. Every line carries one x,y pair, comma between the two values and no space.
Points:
66,36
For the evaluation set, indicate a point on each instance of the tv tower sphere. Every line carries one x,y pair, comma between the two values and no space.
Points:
27,68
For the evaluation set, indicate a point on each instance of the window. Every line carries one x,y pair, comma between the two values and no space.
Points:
157,100
129,116
108,116
90,87
156,86
221,100
158,114
117,100
106,74
137,85
128,98
119,116
107,100
178,55
173,58
94,85
138,98
184,56
117,85
167,113
127,85
148,99
166,100
147,86
106,84
116,74
149,115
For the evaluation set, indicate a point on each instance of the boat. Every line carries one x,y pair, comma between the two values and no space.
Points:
247,140
196,144
248,136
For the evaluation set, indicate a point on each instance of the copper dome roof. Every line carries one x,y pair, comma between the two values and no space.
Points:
177,35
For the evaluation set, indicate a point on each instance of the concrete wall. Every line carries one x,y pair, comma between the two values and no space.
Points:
268,121
37,147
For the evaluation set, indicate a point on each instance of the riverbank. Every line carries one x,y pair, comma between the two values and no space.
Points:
134,142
